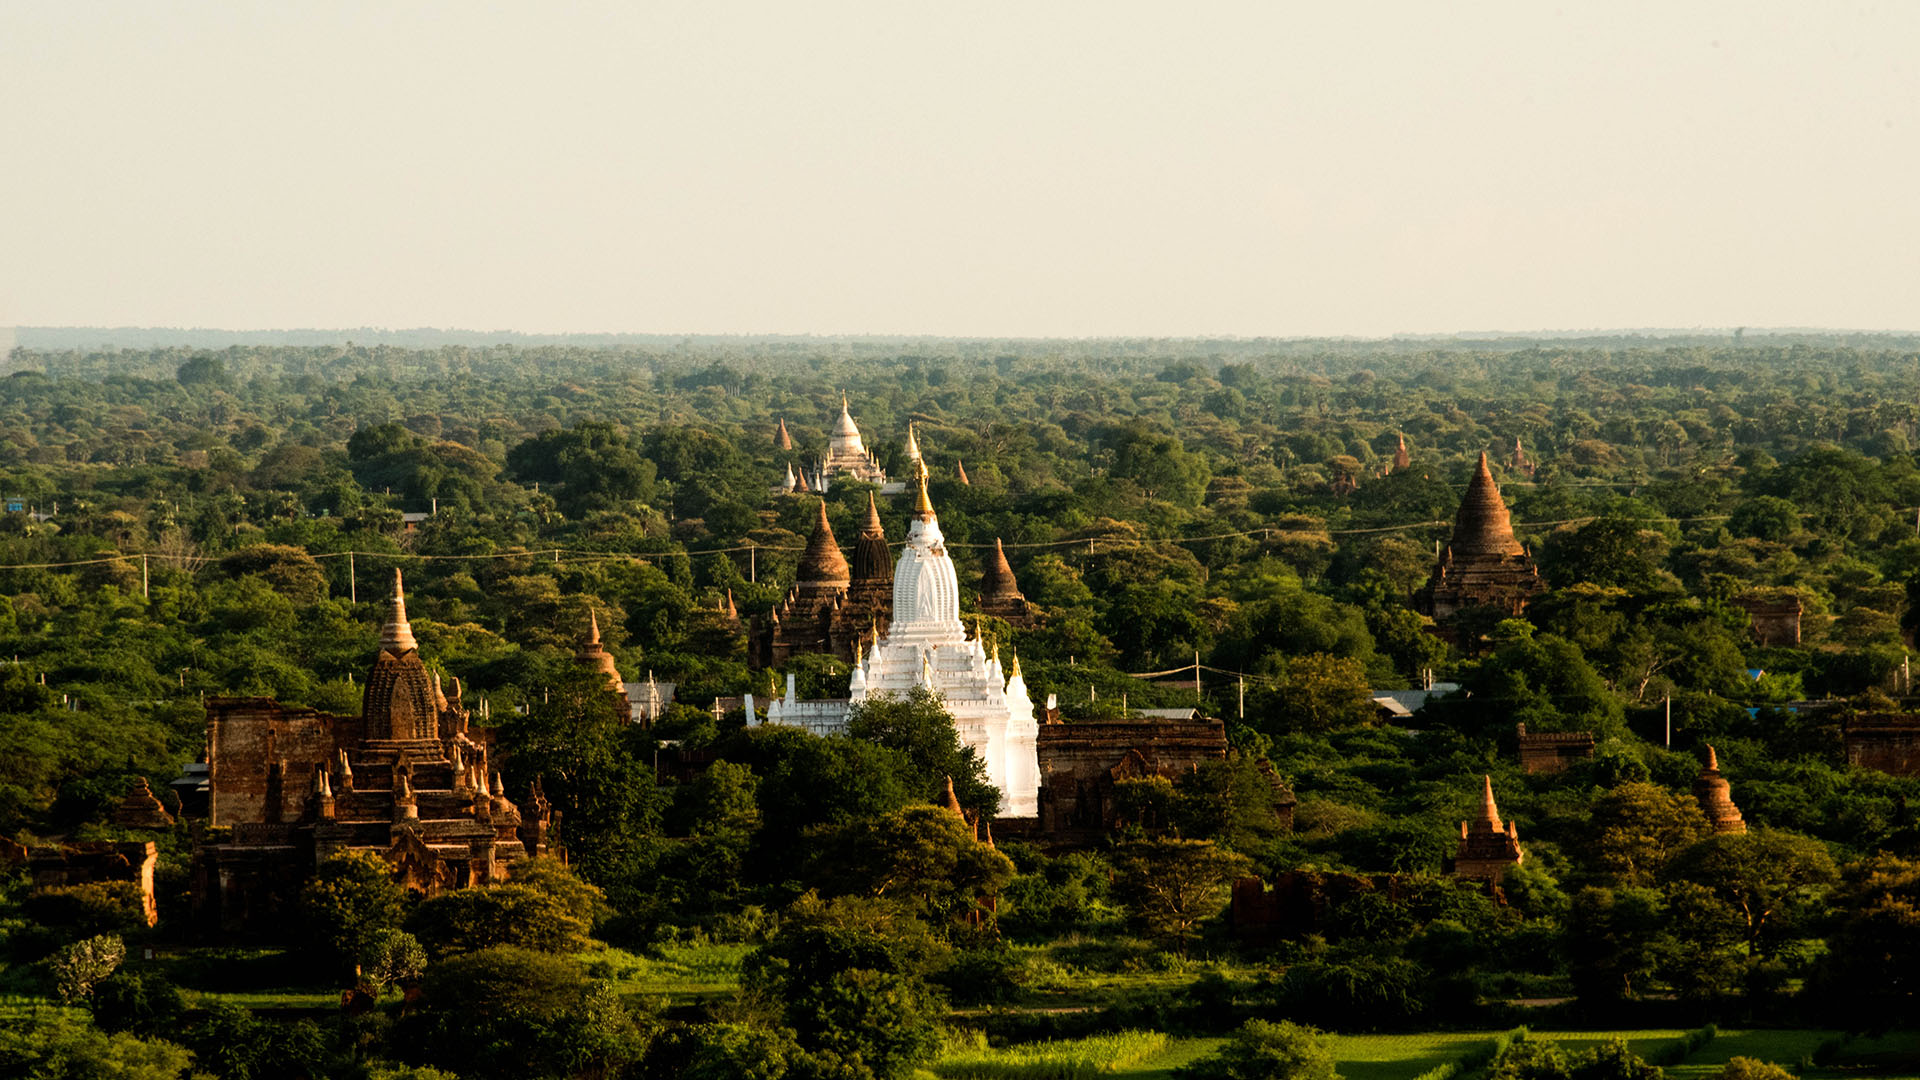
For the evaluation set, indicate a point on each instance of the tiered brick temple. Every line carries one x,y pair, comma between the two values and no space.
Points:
1552,751
1487,848
1484,566
832,607
1000,594
407,779
1716,797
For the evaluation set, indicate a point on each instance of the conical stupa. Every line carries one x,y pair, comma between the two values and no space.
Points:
1485,565
1487,847
1000,594
1715,796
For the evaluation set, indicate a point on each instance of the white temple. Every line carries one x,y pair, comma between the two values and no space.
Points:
847,455
927,645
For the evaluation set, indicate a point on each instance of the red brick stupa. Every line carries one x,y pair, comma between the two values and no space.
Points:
1484,566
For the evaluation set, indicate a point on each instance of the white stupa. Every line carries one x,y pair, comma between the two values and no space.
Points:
847,453
926,645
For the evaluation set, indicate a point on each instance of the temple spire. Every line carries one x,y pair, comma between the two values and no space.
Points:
822,560
396,634
960,473
1489,813
782,440
923,504
1402,459
1483,526
913,444
996,579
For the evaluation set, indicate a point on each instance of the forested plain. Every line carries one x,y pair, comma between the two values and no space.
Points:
193,523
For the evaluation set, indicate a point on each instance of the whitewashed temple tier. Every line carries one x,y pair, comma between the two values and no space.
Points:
927,645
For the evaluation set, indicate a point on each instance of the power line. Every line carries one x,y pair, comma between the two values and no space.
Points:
1264,533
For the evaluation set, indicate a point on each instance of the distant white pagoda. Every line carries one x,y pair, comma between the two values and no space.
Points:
847,455
926,645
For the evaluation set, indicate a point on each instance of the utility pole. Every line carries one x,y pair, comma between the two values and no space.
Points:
753,562
1196,676
1243,697
1669,700
353,582
143,577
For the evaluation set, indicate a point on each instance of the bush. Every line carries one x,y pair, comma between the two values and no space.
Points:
78,1050
1683,1048
142,1002
1746,1068
107,907
1266,1051
81,966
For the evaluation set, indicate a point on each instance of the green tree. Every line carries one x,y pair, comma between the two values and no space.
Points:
1320,693
1172,886
351,900
586,467
1635,828
512,1013
392,958
923,854
918,725
465,920
1768,876
850,974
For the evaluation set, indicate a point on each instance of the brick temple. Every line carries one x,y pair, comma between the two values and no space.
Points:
407,778
1484,566
833,607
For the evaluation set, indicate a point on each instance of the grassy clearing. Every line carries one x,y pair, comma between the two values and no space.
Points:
1055,1059
264,999
678,973
1403,1057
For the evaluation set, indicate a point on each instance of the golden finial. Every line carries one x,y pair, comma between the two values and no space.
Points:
923,505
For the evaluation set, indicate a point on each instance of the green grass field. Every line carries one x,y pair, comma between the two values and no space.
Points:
1403,1057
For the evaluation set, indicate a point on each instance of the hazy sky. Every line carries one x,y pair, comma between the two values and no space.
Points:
1027,168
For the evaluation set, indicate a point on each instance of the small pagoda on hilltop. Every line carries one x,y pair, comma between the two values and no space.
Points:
1484,566
1487,847
1716,797
1000,594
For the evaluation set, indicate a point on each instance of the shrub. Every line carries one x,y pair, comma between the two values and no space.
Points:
1266,1051
106,907
1746,1068
142,1002
81,966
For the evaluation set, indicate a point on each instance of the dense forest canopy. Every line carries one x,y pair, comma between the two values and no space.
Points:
184,522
